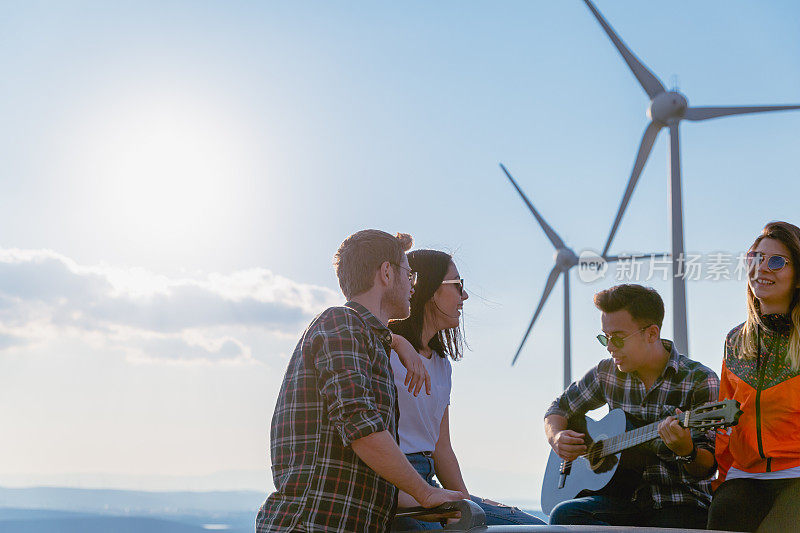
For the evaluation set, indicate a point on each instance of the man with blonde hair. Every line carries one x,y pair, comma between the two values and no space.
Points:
336,464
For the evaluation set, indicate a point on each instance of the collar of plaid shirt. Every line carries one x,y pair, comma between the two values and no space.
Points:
380,329
674,356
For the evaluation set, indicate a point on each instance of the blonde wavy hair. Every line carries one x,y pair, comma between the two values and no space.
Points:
788,235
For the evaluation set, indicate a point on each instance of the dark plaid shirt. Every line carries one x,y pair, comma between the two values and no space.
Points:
684,384
338,388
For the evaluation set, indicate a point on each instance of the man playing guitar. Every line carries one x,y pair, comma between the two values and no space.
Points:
666,483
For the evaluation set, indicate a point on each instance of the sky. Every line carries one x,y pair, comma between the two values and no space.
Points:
177,176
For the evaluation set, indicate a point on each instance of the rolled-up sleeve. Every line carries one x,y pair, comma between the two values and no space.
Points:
345,369
580,397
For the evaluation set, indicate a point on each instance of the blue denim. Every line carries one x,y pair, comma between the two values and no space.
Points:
604,510
501,515
495,514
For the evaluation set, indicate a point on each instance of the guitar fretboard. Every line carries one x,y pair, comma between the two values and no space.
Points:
629,439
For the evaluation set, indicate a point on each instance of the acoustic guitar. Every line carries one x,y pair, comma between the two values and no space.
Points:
607,438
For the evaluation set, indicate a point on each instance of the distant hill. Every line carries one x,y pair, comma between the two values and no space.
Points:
70,510
100,524
130,501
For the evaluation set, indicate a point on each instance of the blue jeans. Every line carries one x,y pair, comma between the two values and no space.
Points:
612,511
496,515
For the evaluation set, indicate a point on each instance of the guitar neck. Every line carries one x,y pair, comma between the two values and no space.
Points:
631,438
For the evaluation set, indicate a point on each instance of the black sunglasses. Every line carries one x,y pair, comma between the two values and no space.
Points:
775,262
619,342
460,283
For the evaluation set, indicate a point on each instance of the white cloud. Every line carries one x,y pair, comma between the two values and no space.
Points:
44,294
187,348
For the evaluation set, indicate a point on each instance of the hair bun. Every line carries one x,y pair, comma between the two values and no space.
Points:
405,241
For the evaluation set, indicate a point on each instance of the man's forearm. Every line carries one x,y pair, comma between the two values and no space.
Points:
382,454
552,425
702,465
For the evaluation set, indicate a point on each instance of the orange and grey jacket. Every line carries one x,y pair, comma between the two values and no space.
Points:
767,437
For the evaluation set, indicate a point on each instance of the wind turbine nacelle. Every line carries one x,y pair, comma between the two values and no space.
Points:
667,105
566,259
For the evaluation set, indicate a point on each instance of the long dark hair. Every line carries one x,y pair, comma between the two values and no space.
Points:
788,235
431,267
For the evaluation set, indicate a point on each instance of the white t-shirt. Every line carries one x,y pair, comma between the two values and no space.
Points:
735,473
421,416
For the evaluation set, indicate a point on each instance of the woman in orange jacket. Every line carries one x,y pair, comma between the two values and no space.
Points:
759,459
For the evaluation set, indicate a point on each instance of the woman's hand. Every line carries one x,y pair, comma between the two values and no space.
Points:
416,374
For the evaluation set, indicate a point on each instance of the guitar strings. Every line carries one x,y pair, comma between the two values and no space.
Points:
601,450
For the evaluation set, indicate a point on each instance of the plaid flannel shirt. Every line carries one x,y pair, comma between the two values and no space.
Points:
338,388
684,384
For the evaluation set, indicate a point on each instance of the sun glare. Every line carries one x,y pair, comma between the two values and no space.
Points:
165,171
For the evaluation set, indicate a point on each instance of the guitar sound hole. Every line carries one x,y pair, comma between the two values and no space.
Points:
597,463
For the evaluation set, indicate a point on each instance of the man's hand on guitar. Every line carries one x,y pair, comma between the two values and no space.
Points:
568,444
676,437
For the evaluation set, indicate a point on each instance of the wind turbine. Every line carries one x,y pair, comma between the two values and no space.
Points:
667,109
565,259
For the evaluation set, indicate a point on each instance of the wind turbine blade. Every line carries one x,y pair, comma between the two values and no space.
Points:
649,82
612,258
551,281
705,113
641,158
551,234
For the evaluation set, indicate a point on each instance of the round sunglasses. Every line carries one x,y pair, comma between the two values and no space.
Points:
619,342
775,262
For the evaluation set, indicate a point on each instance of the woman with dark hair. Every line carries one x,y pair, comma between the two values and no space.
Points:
759,461
433,334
